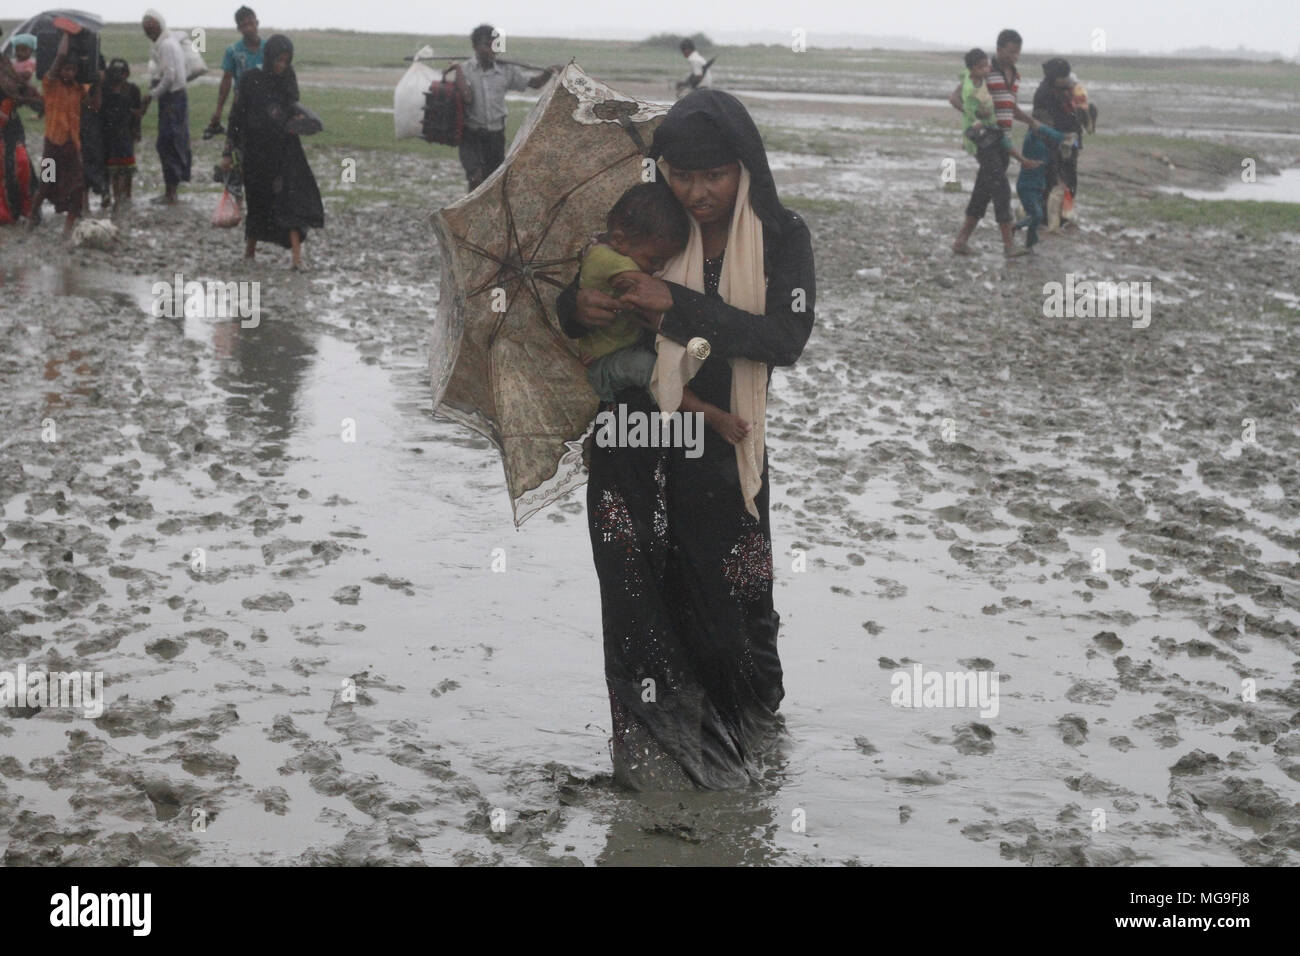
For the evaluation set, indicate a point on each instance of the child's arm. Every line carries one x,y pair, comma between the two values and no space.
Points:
621,282
95,97
1024,161
61,56
731,427
1053,134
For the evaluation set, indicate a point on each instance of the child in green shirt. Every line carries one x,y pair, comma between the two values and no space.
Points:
977,101
644,229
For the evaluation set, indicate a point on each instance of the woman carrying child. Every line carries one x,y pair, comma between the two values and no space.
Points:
645,229
682,546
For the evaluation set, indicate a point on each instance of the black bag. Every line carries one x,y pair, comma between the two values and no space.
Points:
303,122
83,47
444,113
985,137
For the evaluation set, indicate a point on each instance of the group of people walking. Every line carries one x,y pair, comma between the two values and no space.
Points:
987,96
93,120
681,542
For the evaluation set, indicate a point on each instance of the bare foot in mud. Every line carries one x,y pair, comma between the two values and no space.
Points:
962,250
731,427
1015,252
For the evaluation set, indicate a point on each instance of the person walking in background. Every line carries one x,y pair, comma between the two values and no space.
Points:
1003,84
168,88
991,146
483,83
121,110
283,198
701,77
63,101
92,145
24,61
1054,102
18,178
1031,185
241,56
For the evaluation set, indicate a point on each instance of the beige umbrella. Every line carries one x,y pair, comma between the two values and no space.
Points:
498,358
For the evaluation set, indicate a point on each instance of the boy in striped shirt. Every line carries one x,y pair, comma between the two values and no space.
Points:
1003,82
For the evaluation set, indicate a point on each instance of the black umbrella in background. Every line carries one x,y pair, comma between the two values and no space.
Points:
84,45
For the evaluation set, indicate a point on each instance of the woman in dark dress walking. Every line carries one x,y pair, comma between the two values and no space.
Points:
283,198
682,546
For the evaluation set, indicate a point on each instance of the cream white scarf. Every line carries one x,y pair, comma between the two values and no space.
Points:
744,286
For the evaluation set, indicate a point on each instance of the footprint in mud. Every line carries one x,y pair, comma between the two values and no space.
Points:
274,800
1073,730
165,648
1200,782
1089,692
1108,641
1163,728
272,601
396,584
970,738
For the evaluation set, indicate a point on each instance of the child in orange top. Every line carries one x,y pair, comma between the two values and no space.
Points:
63,98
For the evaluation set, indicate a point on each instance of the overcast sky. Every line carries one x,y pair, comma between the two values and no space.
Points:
1150,25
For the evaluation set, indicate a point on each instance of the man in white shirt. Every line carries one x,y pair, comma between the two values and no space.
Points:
701,77
168,88
483,82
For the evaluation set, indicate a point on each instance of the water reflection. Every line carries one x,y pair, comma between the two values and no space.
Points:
261,369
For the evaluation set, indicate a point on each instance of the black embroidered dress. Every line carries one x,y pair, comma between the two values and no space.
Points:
685,572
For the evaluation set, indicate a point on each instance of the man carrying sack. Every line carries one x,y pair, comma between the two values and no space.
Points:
483,83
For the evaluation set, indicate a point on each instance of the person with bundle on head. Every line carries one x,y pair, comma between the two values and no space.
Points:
63,100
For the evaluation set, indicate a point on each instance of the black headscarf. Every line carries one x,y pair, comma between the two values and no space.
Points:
710,128
284,85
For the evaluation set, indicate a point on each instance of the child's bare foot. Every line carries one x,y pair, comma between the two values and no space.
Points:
961,249
731,427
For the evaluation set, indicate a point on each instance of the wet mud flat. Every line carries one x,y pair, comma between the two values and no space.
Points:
345,679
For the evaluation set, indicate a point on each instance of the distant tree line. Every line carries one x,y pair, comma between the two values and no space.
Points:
673,40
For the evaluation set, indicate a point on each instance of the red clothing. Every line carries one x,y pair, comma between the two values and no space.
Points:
1003,89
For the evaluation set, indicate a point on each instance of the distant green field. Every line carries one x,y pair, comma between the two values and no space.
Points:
348,78
1249,217
756,66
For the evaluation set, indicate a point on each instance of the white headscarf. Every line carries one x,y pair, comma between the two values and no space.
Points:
152,14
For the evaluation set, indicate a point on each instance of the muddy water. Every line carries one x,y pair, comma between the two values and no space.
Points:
347,679
1284,187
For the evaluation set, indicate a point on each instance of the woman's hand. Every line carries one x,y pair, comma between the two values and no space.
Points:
595,309
644,292
226,163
